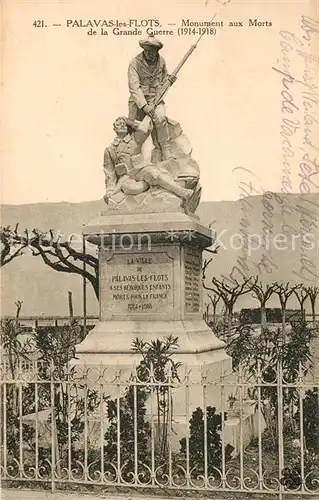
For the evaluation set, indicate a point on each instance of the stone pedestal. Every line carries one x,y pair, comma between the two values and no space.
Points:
150,287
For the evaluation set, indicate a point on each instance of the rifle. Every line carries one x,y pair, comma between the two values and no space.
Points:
166,87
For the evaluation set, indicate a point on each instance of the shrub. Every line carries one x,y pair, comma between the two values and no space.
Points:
292,477
135,430
127,420
213,440
310,420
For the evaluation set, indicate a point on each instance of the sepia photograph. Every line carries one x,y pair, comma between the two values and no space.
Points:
159,242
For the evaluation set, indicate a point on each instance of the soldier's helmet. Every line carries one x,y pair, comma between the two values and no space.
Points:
151,41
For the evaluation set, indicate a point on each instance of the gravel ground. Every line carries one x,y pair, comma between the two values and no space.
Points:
20,494
27,494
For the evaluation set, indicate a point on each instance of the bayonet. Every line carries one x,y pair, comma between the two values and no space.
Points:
166,87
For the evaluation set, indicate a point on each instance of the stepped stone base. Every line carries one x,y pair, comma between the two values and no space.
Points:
150,288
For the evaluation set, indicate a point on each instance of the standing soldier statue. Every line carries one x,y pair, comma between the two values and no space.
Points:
127,173
147,76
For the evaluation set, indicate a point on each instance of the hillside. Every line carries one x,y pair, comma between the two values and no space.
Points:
280,221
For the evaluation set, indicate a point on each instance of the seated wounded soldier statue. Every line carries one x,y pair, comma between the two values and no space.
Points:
126,169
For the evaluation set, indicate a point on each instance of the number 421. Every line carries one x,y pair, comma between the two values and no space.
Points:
38,24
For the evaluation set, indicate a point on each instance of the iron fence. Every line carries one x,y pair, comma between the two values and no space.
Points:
143,428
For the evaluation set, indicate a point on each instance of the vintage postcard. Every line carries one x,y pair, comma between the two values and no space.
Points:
159,248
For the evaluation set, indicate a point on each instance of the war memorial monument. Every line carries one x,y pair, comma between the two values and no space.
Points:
149,237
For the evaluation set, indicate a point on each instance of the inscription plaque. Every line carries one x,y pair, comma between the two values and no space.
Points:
138,284
192,266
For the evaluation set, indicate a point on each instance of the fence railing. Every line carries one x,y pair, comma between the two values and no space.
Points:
143,428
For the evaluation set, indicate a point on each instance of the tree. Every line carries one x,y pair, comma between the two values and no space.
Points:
262,294
12,245
301,295
228,293
14,352
214,299
61,255
14,349
46,354
266,352
284,292
158,366
55,348
313,292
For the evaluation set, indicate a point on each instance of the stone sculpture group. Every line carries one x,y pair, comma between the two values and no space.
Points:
169,180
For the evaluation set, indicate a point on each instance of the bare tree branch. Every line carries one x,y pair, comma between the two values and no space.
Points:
62,257
284,292
262,293
56,253
214,298
11,245
227,292
301,294
313,292
205,265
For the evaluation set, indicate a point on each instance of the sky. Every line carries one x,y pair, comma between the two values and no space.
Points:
62,90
